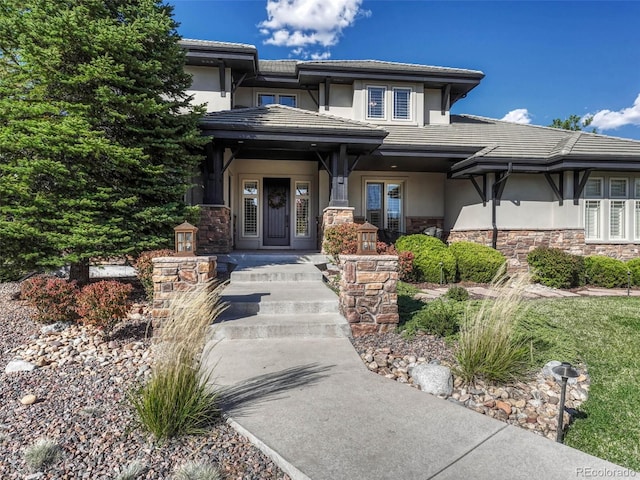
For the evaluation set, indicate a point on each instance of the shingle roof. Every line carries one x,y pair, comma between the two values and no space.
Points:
191,42
380,65
288,119
509,140
287,67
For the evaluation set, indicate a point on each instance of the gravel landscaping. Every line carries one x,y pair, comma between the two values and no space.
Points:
80,387
531,404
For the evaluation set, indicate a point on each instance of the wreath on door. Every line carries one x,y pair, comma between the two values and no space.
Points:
277,198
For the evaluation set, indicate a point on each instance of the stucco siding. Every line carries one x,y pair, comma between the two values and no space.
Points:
527,203
205,87
248,96
432,108
340,101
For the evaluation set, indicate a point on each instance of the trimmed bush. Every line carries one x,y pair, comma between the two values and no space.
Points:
605,271
104,304
341,239
441,318
457,293
428,253
144,267
633,266
476,262
555,268
54,299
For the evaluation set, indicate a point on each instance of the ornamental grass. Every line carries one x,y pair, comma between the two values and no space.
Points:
489,345
178,399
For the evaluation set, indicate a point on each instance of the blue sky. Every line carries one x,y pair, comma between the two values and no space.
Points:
542,60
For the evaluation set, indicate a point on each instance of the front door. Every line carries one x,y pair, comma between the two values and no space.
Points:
276,215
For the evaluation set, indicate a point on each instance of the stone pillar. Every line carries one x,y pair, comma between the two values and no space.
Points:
178,274
368,293
332,216
215,230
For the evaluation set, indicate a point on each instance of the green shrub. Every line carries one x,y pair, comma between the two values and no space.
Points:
489,345
428,253
476,262
457,293
341,239
132,471
54,299
634,267
605,271
144,268
104,304
555,268
178,399
438,317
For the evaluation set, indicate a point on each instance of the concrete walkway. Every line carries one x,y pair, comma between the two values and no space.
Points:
309,402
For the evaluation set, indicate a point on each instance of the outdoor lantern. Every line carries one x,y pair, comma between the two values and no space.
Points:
566,371
185,239
367,239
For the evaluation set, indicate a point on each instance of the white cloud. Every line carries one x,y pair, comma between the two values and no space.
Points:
609,120
519,115
305,23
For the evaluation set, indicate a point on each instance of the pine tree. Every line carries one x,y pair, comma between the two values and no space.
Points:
98,138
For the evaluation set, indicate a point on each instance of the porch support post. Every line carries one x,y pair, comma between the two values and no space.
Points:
339,178
213,175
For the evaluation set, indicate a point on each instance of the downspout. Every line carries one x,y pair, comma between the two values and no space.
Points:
494,224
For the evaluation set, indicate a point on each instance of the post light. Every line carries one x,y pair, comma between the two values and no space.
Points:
185,239
628,283
566,371
367,239
441,273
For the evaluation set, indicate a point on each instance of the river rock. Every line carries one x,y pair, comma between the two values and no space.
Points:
28,399
434,379
19,366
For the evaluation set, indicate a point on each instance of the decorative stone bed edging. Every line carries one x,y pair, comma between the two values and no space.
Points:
532,404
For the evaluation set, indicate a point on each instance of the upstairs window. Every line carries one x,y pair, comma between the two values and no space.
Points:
272,98
375,102
402,104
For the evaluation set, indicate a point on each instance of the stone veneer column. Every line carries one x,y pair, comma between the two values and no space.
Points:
178,274
368,292
215,230
332,216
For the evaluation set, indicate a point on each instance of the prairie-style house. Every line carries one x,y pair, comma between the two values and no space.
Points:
300,145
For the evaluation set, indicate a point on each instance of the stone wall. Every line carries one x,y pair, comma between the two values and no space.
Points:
516,244
332,216
178,274
368,292
215,230
418,224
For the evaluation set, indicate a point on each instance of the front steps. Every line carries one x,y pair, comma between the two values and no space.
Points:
275,298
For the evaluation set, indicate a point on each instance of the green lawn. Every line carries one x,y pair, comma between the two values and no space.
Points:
603,334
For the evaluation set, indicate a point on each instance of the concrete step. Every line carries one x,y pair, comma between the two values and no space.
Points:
280,273
330,325
288,298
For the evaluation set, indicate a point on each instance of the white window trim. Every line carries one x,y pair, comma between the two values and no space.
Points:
384,100
277,97
409,104
295,210
242,206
